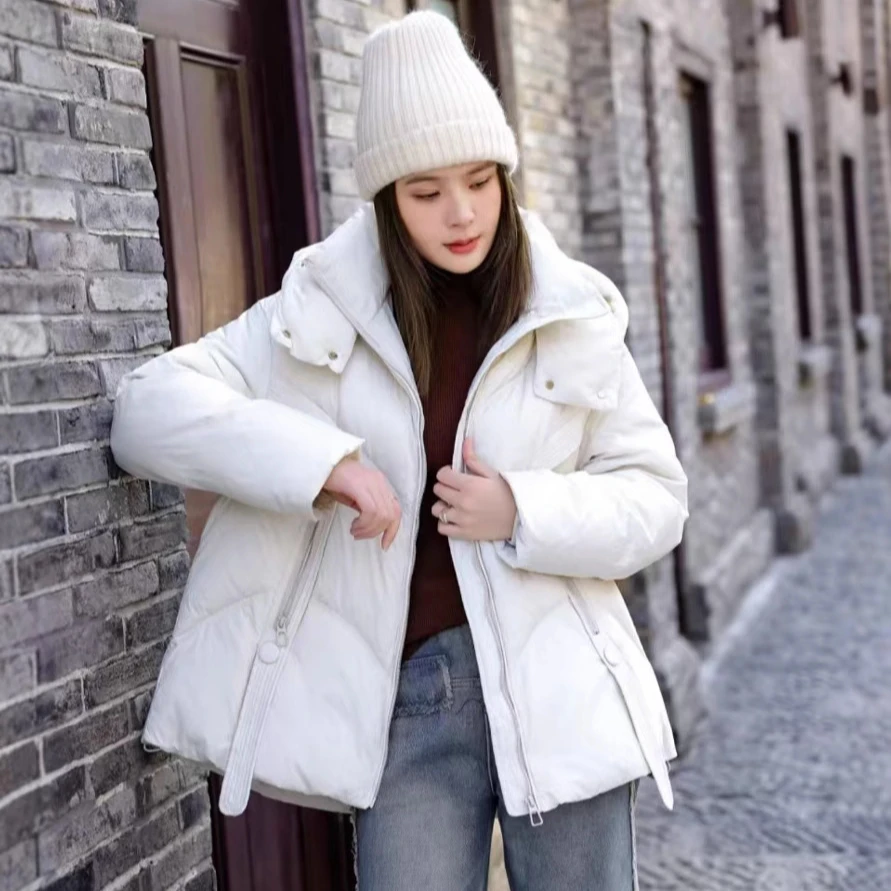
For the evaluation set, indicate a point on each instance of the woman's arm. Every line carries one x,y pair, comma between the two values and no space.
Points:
621,512
196,417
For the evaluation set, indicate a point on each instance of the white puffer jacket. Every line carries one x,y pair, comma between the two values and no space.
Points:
283,666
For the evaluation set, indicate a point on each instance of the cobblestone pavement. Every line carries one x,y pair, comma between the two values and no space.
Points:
788,787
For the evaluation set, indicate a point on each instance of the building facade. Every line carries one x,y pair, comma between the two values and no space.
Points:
726,162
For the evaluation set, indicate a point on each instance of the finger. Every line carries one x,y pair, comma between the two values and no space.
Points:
390,533
450,477
447,494
473,463
450,530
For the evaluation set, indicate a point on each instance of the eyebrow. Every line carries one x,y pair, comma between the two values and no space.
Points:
435,179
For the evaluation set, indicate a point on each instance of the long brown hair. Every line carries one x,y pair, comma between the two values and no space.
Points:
503,280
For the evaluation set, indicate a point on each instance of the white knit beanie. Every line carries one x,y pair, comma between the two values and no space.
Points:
424,104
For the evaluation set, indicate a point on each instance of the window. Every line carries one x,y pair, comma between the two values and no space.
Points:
852,245
702,226
799,241
476,21
790,24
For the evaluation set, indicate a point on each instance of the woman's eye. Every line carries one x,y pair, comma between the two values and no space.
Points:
481,183
429,196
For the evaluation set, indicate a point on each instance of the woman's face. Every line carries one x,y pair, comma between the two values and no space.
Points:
452,213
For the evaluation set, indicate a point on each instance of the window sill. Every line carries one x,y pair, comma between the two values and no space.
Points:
722,410
814,362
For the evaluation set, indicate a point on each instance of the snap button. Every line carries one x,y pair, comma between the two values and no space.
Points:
332,354
611,655
549,385
286,334
601,394
269,652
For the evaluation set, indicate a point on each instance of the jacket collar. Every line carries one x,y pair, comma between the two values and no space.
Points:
349,264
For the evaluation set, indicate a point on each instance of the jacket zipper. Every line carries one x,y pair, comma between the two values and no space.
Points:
411,390
298,593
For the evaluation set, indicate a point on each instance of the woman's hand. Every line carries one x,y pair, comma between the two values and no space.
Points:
478,506
369,492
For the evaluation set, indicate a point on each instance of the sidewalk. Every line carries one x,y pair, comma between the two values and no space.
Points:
788,787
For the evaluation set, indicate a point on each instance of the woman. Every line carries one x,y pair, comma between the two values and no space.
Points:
435,453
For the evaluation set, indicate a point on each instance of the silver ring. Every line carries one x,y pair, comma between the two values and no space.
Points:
443,517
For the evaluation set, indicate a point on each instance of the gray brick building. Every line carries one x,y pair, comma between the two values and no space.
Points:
727,163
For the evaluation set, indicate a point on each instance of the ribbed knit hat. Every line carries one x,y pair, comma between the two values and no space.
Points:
424,104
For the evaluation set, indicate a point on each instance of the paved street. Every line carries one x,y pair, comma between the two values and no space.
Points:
788,787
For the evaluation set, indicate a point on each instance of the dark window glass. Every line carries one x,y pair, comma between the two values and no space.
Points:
799,241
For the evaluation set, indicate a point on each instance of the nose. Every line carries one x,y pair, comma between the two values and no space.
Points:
461,212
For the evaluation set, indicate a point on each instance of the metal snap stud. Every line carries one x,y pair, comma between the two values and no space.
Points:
549,385
332,355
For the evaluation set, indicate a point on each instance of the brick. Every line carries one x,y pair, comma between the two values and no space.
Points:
41,712
25,202
66,160
158,787
84,738
56,71
18,674
112,126
22,340
7,153
45,294
85,423
31,812
154,536
83,646
82,878
121,764
119,10
115,858
30,525
125,85
13,247
27,432
7,62
143,255
204,881
135,171
194,808
153,622
28,20
52,381
5,486
139,709
173,570
164,495
65,562
23,620
83,5
89,335
112,370
186,854
103,507
101,38
159,832
70,839
59,473
125,673
18,767
114,211
114,591
128,293
18,865
21,111
75,250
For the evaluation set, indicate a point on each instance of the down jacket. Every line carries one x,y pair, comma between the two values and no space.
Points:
282,670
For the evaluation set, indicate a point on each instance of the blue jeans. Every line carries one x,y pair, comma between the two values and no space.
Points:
431,826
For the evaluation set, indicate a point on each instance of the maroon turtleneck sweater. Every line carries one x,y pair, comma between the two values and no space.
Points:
435,603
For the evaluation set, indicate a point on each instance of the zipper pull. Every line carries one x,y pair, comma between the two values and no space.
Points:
535,817
281,635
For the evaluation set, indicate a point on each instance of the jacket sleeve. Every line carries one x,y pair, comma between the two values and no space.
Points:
621,512
197,417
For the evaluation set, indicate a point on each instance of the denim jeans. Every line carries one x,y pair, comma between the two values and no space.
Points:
431,826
